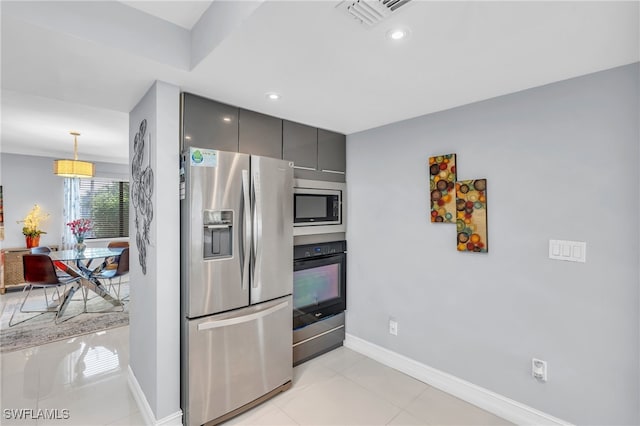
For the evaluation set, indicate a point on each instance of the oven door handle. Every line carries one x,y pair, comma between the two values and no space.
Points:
304,261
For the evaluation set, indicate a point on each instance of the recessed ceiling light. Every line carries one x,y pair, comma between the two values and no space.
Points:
272,96
188,137
397,34
227,119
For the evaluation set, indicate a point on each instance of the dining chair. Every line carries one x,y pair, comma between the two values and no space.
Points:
125,266
40,250
117,269
118,244
39,272
63,271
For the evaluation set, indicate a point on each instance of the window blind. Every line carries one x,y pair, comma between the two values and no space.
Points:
106,202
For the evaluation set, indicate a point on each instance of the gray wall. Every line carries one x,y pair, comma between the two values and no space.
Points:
29,180
154,325
562,163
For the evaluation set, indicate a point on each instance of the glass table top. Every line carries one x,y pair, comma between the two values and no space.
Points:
88,253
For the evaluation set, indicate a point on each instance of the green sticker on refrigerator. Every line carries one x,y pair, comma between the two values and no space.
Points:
200,157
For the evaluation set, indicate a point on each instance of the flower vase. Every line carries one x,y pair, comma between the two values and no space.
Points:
32,241
80,246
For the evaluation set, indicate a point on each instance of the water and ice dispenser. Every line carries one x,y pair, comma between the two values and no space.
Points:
218,232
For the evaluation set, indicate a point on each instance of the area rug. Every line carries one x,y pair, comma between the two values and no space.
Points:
43,329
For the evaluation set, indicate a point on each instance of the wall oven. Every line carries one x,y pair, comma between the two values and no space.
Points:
318,207
319,298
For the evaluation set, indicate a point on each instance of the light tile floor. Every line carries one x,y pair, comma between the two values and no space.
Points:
87,375
343,387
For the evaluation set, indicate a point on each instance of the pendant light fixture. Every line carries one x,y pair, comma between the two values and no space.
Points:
74,168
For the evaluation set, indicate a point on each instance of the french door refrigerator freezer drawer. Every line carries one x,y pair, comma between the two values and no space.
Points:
237,357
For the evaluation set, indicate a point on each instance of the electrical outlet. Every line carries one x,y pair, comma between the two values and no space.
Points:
539,369
393,326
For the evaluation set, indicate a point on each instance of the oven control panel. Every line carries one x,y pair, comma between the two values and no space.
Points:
320,249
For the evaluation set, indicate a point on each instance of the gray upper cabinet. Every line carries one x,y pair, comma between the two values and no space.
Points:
331,152
300,145
208,124
317,154
260,134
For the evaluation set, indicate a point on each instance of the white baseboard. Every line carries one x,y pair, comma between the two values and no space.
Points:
174,419
492,402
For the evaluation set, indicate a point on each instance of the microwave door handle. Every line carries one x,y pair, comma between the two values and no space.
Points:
246,234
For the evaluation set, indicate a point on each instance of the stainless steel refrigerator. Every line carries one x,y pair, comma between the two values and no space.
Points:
236,282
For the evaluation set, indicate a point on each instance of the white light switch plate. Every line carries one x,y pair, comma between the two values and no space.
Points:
571,251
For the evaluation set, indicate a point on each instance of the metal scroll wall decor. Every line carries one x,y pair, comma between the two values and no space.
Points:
141,192
461,202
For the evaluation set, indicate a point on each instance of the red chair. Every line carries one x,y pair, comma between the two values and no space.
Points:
63,271
39,272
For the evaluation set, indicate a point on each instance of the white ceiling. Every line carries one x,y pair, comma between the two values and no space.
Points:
84,65
183,13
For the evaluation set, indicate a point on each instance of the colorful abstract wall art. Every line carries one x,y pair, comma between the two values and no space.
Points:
461,202
442,174
471,215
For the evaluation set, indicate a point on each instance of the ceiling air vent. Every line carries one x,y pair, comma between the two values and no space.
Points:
372,12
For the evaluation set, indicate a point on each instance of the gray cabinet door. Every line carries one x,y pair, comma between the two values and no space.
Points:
208,124
300,145
331,152
260,134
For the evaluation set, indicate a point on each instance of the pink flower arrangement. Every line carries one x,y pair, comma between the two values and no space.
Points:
80,228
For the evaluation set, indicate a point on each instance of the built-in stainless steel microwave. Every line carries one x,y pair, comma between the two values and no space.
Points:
318,207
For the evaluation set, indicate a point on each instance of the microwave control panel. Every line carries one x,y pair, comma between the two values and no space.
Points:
321,249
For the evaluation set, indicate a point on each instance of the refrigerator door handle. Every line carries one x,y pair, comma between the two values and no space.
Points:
242,319
257,229
246,240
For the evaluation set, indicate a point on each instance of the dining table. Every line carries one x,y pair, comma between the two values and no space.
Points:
87,264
